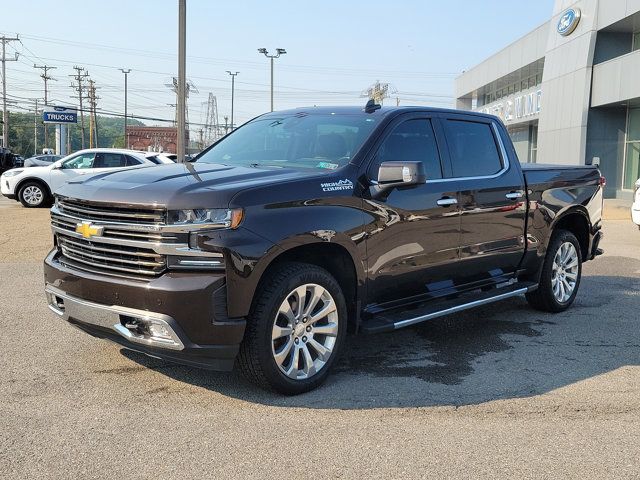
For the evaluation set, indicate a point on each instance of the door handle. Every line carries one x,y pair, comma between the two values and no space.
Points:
447,202
514,195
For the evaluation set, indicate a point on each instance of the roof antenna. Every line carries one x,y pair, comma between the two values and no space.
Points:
372,106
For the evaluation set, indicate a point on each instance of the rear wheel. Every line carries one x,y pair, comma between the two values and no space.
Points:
295,331
561,274
33,195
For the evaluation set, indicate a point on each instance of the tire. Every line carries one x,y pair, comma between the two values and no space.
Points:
33,195
264,360
553,280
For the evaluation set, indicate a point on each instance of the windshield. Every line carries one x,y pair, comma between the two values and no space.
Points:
323,142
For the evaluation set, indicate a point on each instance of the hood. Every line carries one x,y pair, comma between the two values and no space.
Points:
30,170
187,185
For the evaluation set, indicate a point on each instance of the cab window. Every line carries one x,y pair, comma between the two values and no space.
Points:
474,152
411,141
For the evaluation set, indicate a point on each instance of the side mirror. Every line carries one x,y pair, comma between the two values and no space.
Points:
401,174
57,165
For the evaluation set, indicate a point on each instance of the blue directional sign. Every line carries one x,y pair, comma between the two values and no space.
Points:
60,115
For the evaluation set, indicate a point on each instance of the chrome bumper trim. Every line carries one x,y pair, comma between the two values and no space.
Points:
108,316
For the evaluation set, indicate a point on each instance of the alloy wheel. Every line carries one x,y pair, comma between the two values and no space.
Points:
305,331
564,275
33,195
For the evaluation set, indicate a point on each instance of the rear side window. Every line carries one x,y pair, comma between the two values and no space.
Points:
110,160
133,161
474,152
410,141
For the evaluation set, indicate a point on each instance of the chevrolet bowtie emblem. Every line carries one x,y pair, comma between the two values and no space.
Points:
88,230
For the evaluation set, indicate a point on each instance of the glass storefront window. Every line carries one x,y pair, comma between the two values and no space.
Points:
636,41
631,171
633,129
631,165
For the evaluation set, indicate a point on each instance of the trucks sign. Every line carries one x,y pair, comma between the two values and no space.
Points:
60,115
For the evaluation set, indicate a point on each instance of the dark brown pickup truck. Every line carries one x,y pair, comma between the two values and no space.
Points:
302,224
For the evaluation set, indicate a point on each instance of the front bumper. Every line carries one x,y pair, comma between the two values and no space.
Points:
7,188
190,308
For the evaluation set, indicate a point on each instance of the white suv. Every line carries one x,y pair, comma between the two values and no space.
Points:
34,186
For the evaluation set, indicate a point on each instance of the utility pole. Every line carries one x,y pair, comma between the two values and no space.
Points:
93,119
126,135
81,74
226,124
35,129
279,51
5,112
233,78
46,78
182,79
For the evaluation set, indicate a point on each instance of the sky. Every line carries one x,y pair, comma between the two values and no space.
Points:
335,49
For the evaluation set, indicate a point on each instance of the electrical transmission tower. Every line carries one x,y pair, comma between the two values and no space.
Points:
45,69
378,92
211,126
80,75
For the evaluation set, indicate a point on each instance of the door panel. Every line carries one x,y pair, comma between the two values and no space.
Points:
492,200
412,242
411,239
79,165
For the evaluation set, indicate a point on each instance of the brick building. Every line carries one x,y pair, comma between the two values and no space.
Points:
154,139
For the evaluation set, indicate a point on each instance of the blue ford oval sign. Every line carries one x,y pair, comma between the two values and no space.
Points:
568,21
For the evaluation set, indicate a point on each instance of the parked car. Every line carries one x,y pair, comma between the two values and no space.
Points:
8,160
303,223
41,160
161,158
635,208
34,186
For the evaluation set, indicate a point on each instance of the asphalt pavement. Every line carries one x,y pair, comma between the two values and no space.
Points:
499,392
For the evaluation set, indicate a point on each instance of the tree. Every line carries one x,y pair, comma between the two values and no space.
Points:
110,133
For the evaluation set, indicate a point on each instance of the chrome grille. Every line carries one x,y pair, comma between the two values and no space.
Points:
124,241
101,212
128,244
68,224
112,257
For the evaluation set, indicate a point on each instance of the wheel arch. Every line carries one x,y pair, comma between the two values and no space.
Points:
575,220
24,181
337,260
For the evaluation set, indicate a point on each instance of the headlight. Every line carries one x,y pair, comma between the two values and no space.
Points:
216,217
13,172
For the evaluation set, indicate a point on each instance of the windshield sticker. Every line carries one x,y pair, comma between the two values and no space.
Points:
336,186
327,165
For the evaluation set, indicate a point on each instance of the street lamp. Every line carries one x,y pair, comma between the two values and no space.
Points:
279,51
126,136
233,82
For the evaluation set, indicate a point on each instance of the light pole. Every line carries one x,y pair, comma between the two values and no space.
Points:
182,81
126,135
233,84
279,51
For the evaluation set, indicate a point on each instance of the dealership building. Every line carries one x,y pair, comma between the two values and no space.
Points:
569,91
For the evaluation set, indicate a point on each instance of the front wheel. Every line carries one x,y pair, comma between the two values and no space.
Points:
561,273
295,331
33,195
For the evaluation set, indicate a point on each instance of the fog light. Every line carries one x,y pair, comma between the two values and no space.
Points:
159,331
149,331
